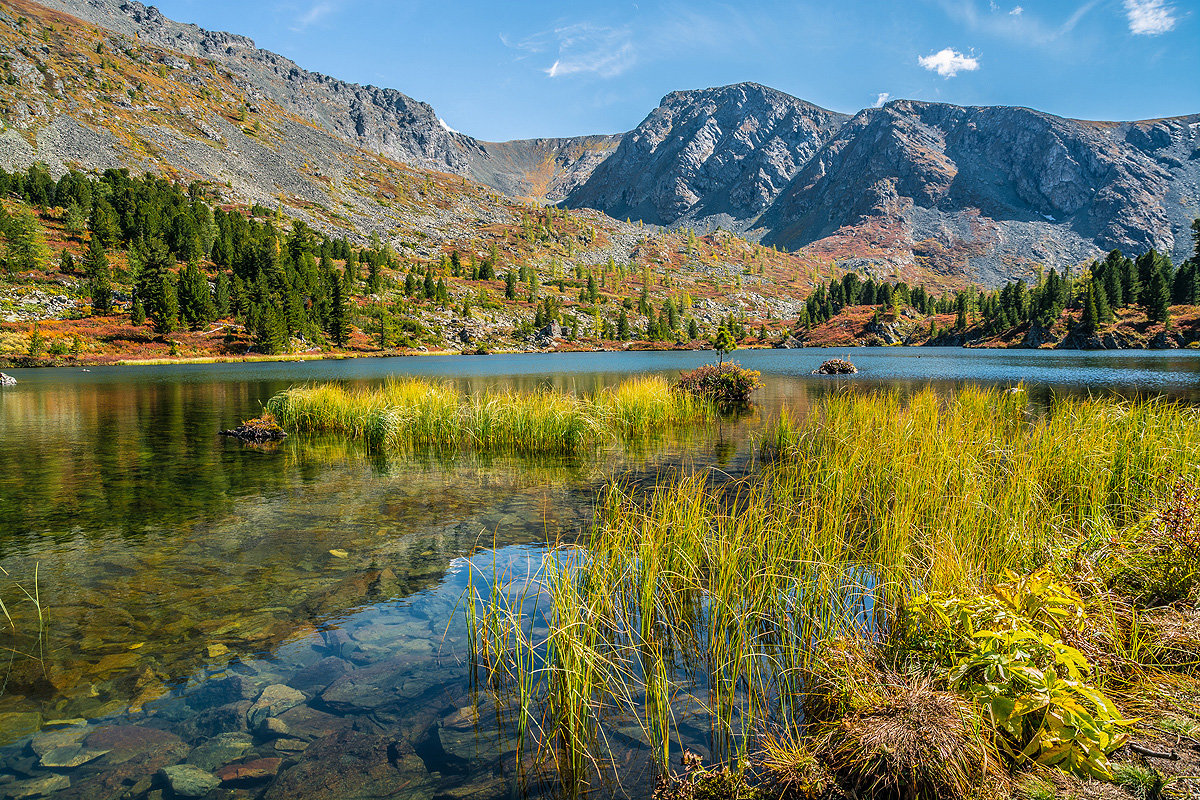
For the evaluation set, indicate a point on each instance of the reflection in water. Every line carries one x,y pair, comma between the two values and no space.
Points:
166,555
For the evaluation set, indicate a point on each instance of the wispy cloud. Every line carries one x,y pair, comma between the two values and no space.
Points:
949,62
883,98
582,47
1149,17
1018,24
313,14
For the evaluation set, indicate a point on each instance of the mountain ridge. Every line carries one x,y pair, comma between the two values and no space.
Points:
983,193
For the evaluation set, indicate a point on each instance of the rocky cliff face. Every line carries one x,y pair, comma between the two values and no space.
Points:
984,193
712,156
1029,182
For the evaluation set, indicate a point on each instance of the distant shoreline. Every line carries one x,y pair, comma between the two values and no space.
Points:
25,362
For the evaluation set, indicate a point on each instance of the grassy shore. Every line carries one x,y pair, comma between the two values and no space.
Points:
914,597
417,413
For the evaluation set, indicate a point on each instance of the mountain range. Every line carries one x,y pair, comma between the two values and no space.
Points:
977,194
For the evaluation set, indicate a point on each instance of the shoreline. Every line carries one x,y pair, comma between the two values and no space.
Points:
26,362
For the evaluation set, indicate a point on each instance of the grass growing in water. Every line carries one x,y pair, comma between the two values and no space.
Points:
415,413
780,602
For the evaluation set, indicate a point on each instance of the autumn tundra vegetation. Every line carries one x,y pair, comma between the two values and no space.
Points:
140,267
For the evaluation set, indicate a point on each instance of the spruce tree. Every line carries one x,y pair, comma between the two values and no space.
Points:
95,268
156,289
339,314
195,298
1091,316
1104,311
25,242
1156,299
270,334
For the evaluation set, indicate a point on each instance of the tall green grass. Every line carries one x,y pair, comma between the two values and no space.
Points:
416,413
752,596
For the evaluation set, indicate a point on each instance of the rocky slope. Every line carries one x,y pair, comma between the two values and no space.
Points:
981,194
999,187
374,119
712,157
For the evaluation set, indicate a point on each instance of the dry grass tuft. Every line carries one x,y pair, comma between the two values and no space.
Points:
919,744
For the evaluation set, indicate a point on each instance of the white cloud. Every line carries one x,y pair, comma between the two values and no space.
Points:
581,47
949,63
883,98
314,14
1149,17
1016,12
585,47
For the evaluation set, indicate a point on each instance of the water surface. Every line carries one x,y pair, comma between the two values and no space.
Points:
180,574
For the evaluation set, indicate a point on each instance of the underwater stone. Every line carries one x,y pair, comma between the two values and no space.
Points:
273,701
187,780
37,787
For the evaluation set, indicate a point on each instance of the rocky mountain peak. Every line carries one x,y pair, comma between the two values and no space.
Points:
719,153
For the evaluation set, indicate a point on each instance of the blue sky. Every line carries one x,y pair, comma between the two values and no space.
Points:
523,69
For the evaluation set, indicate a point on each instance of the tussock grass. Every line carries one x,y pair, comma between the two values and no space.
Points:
773,601
417,413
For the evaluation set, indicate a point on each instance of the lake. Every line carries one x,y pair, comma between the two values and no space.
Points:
285,618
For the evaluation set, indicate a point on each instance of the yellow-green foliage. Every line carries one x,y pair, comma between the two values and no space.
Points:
1005,650
411,412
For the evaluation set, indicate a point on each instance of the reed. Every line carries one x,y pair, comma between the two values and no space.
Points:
412,413
764,599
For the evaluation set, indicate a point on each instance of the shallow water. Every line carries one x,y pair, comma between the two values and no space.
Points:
180,574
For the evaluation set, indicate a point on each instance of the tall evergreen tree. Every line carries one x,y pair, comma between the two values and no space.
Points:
339,313
195,297
99,278
1156,299
25,243
155,288
270,334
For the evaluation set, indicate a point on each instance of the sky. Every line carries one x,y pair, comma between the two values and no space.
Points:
511,70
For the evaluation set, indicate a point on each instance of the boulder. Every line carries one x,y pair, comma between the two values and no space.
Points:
7,380
274,700
187,780
354,764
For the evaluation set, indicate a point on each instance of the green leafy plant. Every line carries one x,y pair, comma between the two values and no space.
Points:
1032,686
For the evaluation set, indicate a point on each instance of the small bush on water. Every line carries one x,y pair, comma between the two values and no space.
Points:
725,384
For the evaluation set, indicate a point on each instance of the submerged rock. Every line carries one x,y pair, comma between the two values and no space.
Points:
274,700
354,764
37,787
835,366
186,780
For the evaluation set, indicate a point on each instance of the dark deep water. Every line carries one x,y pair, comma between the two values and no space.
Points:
180,574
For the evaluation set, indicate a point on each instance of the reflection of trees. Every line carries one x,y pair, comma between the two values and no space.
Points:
125,458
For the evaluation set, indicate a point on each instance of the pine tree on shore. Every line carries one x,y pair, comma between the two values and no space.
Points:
195,298
95,267
339,313
156,288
